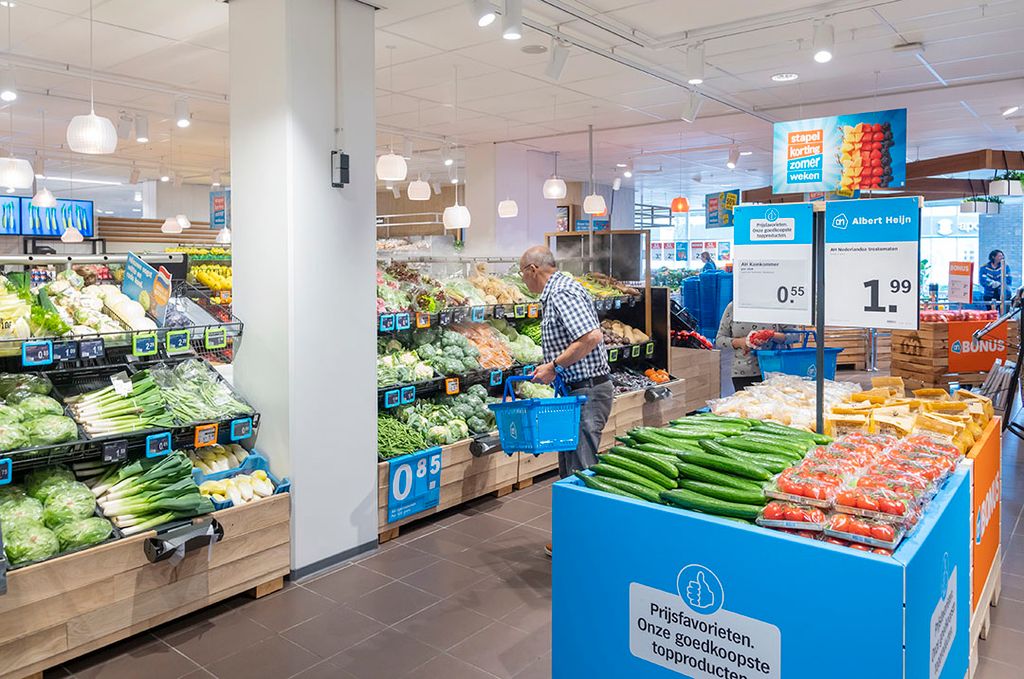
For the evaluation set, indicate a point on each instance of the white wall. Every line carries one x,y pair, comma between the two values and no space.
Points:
161,200
520,174
304,259
481,197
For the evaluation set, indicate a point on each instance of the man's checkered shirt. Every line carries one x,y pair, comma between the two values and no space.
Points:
568,314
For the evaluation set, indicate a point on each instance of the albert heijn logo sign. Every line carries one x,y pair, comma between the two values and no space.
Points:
969,355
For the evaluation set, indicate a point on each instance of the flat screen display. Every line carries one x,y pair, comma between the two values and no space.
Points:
55,221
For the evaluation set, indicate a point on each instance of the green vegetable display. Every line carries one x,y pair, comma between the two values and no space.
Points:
105,411
395,438
26,541
41,482
51,429
446,351
68,503
36,405
24,508
401,366
534,390
83,532
523,348
194,393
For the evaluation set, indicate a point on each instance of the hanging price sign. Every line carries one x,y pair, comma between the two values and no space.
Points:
477,314
206,434
241,429
144,344
91,349
37,353
451,386
496,377
402,321
872,259
773,263
392,398
158,444
386,322
178,341
422,320
408,394
533,310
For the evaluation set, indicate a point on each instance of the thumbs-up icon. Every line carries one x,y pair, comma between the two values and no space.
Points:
699,594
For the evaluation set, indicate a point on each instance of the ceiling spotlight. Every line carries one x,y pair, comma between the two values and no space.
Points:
454,180
165,176
785,77
396,192
559,56
824,42
215,179
512,20
746,153
692,109
483,13
446,154
437,188
179,180
141,128
1007,112
181,116
734,157
124,126
133,176
8,89
616,183
628,174
8,3
620,165
407,148
138,197
695,64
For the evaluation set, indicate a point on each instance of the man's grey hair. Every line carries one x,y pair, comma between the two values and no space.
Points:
539,255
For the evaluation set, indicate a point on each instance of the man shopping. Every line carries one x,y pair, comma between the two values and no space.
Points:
573,348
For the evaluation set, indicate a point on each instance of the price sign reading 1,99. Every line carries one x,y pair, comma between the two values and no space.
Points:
896,287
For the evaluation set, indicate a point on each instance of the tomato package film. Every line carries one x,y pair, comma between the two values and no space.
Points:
882,504
864,530
792,516
816,490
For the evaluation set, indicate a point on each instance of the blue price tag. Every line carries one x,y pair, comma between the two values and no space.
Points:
618,302
403,321
392,398
408,394
5,471
477,314
65,351
178,341
144,344
529,369
241,429
37,353
414,483
496,377
91,348
386,322
158,445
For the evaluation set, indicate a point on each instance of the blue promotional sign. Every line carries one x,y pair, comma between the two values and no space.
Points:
403,321
414,483
872,257
220,209
386,322
718,207
392,398
5,471
158,445
841,153
477,314
690,608
497,376
241,429
37,353
773,263
599,224
682,251
408,394
147,286
55,221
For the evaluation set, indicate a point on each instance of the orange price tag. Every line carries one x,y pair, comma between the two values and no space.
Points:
451,386
533,310
422,320
206,434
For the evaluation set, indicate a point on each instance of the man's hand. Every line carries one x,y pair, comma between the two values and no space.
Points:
544,373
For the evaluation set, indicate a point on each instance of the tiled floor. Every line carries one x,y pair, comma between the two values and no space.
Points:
464,596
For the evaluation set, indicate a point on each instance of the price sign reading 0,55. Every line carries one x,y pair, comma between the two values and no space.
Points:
897,286
790,294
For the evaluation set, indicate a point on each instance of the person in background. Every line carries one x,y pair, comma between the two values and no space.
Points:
990,276
709,264
733,335
574,349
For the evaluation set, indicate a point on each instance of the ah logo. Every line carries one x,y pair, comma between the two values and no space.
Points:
955,348
840,221
513,431
772,215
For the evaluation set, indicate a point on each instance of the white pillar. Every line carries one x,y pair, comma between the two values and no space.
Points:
481,199
304,256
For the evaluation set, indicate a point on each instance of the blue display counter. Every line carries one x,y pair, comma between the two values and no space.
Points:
643,590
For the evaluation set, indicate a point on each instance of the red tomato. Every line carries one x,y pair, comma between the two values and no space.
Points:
891,506
774,511
857,545
836,541
876,155
883,532
859,527
815,516
878,136
876,145
794,513
876,128
847,497
877,171
841,523
867,502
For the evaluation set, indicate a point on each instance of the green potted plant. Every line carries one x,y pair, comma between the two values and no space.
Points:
1008,183
985,205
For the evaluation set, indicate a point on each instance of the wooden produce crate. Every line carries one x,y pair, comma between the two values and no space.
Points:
702,372
921,357
463,478
63,608
854,345
883,344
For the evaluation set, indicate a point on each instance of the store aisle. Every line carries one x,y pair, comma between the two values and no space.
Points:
464,596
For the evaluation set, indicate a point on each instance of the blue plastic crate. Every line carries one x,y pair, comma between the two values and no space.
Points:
691,296
537,425
253,462
801,362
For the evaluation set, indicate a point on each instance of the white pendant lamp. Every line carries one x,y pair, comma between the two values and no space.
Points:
594,204
183,221
170,225
554,187
456,217
16,173
508,208
71,235
91,134
418,190
44,199
223,236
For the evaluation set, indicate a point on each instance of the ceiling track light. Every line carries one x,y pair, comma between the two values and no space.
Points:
133,176
124,126
824,42
734,157
8,88
616,183
1010,110
512,20
695,64
483,13
693,103
141,128
215,179
558,59
165,175
182,118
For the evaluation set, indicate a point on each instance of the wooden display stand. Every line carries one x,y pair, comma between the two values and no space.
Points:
921,357
63,608
852,341
463,478
702,371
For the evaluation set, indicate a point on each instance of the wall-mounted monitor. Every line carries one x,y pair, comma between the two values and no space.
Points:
54,221
10,216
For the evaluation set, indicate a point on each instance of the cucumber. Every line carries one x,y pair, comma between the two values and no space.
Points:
637,468
779,444
819,439
710,417
773,464
597,484
693,433
664,450
698,473
649,459
705,424
635,489
759,447
687,499
667,442
798,443
728,465
746,497
611,471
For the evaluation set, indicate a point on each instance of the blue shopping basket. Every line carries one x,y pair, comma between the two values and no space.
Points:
538,425
800,361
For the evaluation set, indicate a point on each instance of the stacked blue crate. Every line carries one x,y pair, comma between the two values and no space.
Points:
691,296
